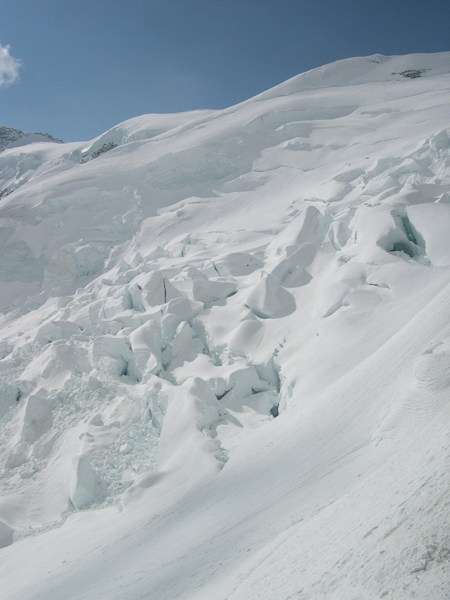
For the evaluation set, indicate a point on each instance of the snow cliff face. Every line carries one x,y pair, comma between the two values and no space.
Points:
225,349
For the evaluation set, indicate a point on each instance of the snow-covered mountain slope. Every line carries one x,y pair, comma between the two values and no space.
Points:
12,138
225,348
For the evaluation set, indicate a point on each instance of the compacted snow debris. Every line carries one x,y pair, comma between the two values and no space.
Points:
225,348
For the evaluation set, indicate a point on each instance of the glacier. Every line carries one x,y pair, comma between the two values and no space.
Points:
225,347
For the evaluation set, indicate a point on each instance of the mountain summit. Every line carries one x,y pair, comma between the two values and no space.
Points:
11,138
225,348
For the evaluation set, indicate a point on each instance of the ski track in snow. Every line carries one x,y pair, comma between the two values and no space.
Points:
225,349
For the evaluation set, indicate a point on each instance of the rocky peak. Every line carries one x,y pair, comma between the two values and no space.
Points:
11,137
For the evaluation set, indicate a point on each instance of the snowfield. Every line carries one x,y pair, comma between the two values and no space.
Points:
225,348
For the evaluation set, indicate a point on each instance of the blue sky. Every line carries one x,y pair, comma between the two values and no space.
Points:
89,64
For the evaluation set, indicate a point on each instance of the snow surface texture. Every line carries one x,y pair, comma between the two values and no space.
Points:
225,349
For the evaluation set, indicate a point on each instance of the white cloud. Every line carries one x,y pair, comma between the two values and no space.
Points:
9,67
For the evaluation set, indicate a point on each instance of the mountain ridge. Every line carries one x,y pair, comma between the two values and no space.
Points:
11,137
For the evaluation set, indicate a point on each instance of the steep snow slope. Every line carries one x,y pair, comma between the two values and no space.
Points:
225,348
